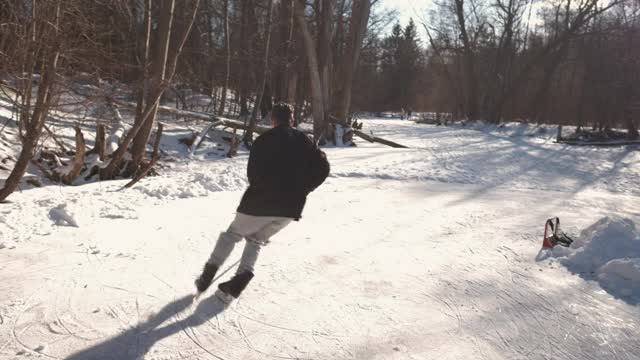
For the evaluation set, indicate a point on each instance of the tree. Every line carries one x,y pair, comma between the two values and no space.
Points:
358,25
265,71
471,86
159,78
38,53
400,61
317,99
227,57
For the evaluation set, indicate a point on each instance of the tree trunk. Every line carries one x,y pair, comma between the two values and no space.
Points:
247,19
100,143
227,53
291,72
29,144
158,76
359,18
632,129
248,138
211,52
291,87
471,91
154,159
559,134
299,95
78,160
317,102
324,12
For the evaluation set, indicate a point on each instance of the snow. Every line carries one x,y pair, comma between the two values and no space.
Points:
419,253
610,250
609,238
61,216
622,276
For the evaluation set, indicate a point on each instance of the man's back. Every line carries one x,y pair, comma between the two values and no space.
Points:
281,171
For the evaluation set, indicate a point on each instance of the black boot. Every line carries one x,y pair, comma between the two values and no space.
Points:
237,284
204,281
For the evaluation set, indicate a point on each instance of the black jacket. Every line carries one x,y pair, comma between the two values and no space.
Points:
284,167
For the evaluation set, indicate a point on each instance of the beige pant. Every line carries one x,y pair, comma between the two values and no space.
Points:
257,230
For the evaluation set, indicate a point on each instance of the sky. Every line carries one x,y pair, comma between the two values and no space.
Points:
408,9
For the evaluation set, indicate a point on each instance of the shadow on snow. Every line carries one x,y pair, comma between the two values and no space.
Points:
136,342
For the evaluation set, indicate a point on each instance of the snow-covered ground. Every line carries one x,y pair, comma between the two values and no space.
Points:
420,253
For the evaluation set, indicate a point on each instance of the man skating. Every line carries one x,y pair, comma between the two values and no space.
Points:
284,167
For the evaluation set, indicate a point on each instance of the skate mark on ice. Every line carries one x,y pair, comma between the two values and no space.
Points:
206,309
136,341
133,292
250,345
62,324
193,338
164,282
115,315
312,332
39,350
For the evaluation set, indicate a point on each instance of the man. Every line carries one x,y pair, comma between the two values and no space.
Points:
284,167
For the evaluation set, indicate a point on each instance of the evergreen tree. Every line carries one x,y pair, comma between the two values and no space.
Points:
389,66
410,59
399,64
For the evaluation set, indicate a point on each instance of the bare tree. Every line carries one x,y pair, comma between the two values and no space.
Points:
227,56
164,67
471,86
317,100
248,138
359,19
39,49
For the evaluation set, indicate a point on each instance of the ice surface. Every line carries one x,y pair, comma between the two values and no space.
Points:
419,253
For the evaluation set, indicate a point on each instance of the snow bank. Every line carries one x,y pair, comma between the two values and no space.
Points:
608,239
517,129
621,274
195,184
609,252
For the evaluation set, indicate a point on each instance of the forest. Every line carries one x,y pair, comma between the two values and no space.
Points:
563,62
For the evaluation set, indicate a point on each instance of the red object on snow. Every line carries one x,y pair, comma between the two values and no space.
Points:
553,236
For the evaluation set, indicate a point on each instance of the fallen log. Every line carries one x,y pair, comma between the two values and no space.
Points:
200,137
599,143
376,139
239,125
217,120
66,174
363,135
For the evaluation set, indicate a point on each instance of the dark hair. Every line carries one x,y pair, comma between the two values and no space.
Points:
282,112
